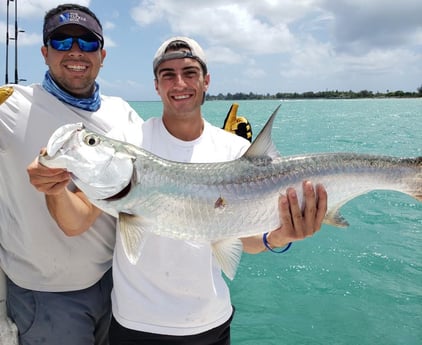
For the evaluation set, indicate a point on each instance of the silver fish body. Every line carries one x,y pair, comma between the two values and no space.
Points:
210,202
217,202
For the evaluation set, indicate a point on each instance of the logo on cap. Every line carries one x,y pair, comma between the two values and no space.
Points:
71,17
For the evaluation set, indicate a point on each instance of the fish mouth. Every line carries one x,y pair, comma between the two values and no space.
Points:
61,136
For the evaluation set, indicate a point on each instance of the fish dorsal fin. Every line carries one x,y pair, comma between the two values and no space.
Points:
263,144
228,253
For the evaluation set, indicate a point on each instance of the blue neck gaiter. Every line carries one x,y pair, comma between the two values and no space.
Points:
92,103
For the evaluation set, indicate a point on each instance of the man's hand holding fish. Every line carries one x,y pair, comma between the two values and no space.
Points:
297,222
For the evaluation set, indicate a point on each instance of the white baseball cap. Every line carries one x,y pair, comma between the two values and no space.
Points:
179,47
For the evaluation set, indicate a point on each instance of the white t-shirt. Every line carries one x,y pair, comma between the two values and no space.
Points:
176,287
34,252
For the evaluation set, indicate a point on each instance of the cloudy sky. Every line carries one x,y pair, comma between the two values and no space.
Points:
265,46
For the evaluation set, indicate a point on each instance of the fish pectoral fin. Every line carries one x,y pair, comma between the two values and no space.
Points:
228,253
334,218
131,231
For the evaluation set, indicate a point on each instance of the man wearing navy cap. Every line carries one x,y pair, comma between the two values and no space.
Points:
58,287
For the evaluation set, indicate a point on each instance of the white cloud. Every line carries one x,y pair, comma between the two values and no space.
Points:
24,38
147,12
108,25
360,25
109,42
234,24
223,54
254,73
266,45
311,39
28,8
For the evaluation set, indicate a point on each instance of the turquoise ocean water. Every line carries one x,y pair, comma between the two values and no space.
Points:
359,286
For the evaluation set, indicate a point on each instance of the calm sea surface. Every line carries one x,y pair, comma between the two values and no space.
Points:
359,286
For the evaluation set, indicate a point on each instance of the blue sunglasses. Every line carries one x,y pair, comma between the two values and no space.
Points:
86,44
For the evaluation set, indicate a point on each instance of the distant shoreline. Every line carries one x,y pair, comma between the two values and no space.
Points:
314,95
240,96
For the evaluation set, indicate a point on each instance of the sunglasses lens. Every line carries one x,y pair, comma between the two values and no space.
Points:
61,44
88,46
65,44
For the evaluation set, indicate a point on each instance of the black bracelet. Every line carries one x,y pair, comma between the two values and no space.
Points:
267,245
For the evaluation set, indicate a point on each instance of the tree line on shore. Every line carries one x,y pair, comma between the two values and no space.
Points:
314,95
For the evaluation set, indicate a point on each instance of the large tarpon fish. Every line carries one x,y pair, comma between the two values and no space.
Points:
214,202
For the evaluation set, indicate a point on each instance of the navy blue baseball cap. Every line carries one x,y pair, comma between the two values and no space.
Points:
72,17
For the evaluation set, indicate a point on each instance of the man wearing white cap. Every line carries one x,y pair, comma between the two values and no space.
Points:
175,293
58,287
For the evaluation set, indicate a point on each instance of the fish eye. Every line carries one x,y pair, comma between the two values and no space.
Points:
92,140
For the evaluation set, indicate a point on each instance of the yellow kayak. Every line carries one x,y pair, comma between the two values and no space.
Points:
237,124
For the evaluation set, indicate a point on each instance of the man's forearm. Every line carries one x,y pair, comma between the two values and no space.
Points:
73,213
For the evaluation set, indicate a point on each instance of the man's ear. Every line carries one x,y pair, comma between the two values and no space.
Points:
156,86
103,56
44,53
207,80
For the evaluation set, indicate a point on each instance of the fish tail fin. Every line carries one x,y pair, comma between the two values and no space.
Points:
414,182
228,253
131,231
418,193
